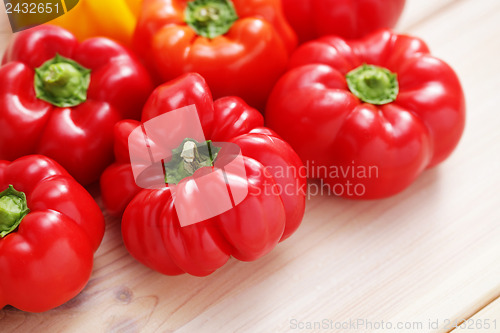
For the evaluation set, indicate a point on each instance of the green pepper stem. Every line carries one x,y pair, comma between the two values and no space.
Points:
373,84
58,75
62,82
210,18
188,157
13,208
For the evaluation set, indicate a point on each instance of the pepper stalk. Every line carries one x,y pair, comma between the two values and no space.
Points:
13,208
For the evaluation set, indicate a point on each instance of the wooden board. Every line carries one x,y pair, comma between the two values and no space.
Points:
429,255
486,320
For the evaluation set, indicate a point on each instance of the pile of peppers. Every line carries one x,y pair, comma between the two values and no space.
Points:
318,89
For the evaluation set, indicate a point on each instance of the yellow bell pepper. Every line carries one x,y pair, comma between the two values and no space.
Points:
115,19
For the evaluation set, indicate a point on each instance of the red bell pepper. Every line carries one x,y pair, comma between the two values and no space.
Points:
241,47
150,226
61,99
50,228
372,113
312,19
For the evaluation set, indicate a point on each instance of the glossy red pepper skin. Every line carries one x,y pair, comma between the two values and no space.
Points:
48,259
150,227
350,19
245,62
313,109
79,138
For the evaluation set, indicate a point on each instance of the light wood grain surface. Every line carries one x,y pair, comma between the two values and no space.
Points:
422,258
487,318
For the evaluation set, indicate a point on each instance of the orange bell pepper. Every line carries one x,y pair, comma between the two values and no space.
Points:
115,19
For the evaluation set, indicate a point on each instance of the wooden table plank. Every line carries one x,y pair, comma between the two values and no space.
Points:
5,30
486,320
417,12
430,253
